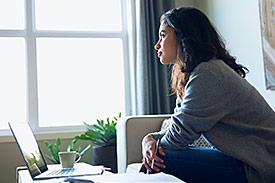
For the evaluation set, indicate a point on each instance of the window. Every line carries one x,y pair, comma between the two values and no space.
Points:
13,80
62,63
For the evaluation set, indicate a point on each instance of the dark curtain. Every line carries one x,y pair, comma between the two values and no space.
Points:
153,78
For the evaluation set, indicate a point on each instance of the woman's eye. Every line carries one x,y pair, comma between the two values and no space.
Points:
162,35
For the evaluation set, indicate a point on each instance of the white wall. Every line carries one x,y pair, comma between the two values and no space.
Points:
239,24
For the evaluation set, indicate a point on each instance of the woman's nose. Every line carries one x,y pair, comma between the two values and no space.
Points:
157,46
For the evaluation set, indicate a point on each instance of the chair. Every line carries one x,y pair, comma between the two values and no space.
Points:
130,132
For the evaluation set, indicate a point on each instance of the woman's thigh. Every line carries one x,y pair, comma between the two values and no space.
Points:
197,164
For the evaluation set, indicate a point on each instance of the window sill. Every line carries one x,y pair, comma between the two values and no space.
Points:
44,136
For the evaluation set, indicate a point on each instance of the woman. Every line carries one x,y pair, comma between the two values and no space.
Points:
214,100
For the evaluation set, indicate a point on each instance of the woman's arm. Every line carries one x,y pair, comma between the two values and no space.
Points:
205,103
149,153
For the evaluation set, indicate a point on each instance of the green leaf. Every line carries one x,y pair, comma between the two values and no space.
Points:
98,127
82,137
78,149
52,159
50,148
94,134
70,147
102,133
84,150
47,144
53,150
58,144
88,127
101,123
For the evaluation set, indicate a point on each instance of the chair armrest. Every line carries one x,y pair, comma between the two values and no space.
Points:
130,132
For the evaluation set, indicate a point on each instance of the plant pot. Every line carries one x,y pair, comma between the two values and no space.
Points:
105,155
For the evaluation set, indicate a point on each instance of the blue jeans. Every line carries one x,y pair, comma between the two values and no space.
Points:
203,165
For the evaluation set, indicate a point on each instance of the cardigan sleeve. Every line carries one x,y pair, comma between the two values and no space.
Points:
160,134
203,105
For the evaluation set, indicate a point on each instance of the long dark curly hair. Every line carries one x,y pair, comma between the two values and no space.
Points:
197,41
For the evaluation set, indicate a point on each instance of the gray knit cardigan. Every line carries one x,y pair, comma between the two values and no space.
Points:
231,114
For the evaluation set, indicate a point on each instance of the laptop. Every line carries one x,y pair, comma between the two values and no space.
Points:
35,161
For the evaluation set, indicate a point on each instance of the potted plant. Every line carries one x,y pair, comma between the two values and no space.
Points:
103,138
54,149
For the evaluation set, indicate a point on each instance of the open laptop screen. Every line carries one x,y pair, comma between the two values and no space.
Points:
28,147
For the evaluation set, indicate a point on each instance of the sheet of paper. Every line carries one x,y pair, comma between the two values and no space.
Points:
133,178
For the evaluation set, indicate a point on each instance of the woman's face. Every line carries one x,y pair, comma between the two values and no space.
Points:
166,45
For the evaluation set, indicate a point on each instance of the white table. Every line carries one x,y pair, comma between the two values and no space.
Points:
23,175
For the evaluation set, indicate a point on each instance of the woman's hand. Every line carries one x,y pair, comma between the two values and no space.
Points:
149,153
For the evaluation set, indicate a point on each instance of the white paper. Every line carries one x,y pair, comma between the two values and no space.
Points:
132,178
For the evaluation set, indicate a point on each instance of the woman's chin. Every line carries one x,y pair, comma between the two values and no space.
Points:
165,62
162,61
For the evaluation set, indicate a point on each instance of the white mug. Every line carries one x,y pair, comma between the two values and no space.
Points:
67,159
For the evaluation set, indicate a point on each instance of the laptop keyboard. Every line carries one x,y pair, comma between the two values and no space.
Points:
64,171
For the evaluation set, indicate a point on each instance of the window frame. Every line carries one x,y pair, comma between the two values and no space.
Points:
30,34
